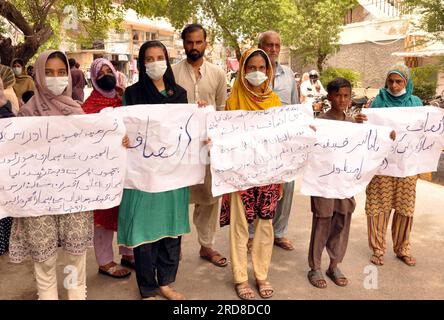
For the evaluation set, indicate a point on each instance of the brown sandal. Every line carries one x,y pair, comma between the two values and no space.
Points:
377,259
265,289
244,291
284,243
114,271
408,260
215,258
171,294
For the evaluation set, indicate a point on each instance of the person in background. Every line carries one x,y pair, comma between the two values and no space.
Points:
77,65
284,84
78,81
203,81
120,76
387,193
30,71
23,82
105,94
8,78
312,88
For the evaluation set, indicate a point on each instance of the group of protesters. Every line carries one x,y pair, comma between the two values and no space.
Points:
150,226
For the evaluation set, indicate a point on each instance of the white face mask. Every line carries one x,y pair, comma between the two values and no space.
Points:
155,70
400,93
17,70
256,78
57,84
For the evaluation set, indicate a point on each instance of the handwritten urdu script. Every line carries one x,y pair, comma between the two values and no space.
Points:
60,164
419,139
166,146
56,165
344,158
258,148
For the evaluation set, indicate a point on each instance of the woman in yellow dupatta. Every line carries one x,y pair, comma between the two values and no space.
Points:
252,91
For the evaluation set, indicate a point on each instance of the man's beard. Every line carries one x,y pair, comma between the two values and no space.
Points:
194,55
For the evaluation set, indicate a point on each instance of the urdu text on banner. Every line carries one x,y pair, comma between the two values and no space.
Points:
167,149
60,164
419,138
344,158
255,148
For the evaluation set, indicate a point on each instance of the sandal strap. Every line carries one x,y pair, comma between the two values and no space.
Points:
337,274
243,290
316,275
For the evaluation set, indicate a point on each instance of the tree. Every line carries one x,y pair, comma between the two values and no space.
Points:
432,12
236,22
40,21
312,27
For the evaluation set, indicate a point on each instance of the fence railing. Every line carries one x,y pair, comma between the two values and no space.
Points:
391,8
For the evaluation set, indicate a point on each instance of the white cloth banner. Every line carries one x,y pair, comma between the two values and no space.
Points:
419,138
60,164
255,148
344,159
167,148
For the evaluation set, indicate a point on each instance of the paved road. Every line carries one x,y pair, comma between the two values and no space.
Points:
200,280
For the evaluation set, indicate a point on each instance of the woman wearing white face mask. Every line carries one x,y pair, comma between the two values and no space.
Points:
23,82
39,237
153,223
386,193
257,205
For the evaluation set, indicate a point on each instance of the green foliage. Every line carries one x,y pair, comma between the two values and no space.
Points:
330,73
312,27
425,80
236,22
77,21
432,19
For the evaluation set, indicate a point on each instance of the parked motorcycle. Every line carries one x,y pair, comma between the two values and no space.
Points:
320,105
437,101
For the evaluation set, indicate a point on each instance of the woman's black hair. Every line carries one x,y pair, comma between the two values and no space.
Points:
19,61
258,53
61,56
168,77
145,92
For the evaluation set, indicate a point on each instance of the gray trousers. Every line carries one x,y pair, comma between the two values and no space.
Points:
331,233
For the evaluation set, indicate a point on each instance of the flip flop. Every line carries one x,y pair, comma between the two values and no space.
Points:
215,258
408,260
377,260
336,275
111,272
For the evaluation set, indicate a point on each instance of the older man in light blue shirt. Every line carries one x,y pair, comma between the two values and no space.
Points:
284,85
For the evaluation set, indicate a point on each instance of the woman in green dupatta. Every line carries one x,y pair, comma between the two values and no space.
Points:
386,193
398,90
